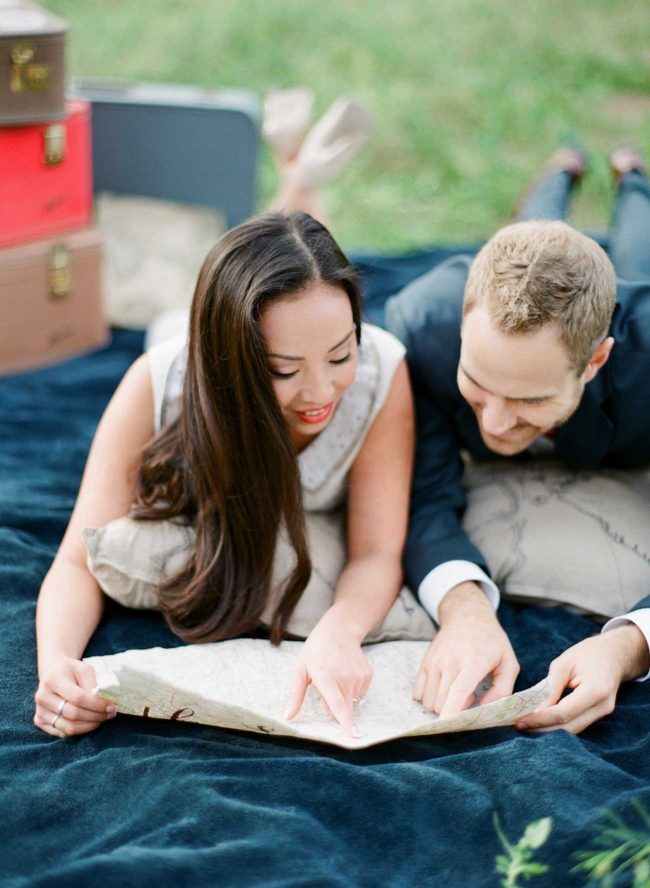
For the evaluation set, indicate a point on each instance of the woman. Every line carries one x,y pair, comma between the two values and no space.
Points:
286,407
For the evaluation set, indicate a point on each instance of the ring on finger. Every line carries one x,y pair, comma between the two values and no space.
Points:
59,711
55,720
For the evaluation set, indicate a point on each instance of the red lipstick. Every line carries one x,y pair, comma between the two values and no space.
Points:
316,415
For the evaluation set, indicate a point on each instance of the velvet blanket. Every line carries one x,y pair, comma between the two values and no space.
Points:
144,802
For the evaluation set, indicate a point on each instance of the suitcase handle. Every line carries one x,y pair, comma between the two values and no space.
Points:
25,76
54,144
59,272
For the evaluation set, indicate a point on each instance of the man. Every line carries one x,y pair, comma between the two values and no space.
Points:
532,347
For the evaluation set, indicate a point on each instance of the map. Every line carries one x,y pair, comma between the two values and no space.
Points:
244,685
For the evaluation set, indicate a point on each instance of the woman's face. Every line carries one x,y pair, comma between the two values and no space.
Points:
312,356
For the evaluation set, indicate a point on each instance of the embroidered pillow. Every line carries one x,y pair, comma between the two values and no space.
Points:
128,558
551,535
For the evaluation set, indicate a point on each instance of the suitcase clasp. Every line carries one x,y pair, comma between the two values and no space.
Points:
59,272
55,144
25,75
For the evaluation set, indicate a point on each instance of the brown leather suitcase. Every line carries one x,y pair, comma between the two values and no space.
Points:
51,300
32,63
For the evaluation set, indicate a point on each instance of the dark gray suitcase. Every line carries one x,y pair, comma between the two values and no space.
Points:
178,143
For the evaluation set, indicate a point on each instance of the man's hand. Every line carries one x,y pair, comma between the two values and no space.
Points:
593,669
470,644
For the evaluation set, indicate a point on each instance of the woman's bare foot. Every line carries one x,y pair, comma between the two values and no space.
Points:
333,141
305,163
287,115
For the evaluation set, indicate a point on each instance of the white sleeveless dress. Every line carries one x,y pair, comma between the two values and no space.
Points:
324,471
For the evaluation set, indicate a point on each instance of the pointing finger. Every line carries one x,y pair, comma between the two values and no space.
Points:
461,693
299,684
503,682
340,708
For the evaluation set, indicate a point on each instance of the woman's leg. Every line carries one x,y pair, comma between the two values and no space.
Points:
629,240
549,196
287,116
293,196
305,164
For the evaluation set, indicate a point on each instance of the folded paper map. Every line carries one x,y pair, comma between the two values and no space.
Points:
244,685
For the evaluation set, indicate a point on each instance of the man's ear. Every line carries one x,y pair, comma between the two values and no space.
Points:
599,358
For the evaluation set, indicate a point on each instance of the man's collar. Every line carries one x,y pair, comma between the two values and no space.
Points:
585,437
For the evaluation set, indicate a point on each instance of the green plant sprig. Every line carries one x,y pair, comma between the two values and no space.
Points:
518,861
624,848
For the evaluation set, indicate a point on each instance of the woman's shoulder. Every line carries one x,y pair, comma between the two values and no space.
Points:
387,345
383,351
167,366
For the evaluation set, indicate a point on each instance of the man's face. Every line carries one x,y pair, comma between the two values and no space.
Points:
519,385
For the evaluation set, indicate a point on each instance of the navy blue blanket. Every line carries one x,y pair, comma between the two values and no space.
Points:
143,802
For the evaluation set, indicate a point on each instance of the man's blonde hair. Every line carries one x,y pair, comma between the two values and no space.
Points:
533,273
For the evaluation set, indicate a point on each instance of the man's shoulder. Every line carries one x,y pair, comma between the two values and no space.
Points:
430,303
426,317
631,321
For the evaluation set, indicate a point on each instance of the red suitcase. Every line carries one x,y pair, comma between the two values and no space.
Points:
46,177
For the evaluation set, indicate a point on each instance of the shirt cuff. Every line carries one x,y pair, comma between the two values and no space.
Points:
443,578
640,618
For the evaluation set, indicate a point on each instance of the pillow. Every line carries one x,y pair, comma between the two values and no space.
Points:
552,536
128,558
153,250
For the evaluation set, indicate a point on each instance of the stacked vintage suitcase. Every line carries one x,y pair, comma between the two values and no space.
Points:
50,255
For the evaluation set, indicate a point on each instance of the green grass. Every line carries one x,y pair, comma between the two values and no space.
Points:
470,96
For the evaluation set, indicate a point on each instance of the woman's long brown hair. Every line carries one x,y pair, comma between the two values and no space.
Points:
227,465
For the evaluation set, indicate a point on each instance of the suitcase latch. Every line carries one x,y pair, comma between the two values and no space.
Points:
27,76
59,273
54,147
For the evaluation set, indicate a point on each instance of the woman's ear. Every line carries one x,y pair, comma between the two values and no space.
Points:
599,358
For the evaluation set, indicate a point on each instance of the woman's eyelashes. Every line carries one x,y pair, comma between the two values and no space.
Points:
278,374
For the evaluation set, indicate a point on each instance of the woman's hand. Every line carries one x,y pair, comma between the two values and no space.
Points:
332,660
65,704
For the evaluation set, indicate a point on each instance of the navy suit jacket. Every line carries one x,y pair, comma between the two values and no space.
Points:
611,426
